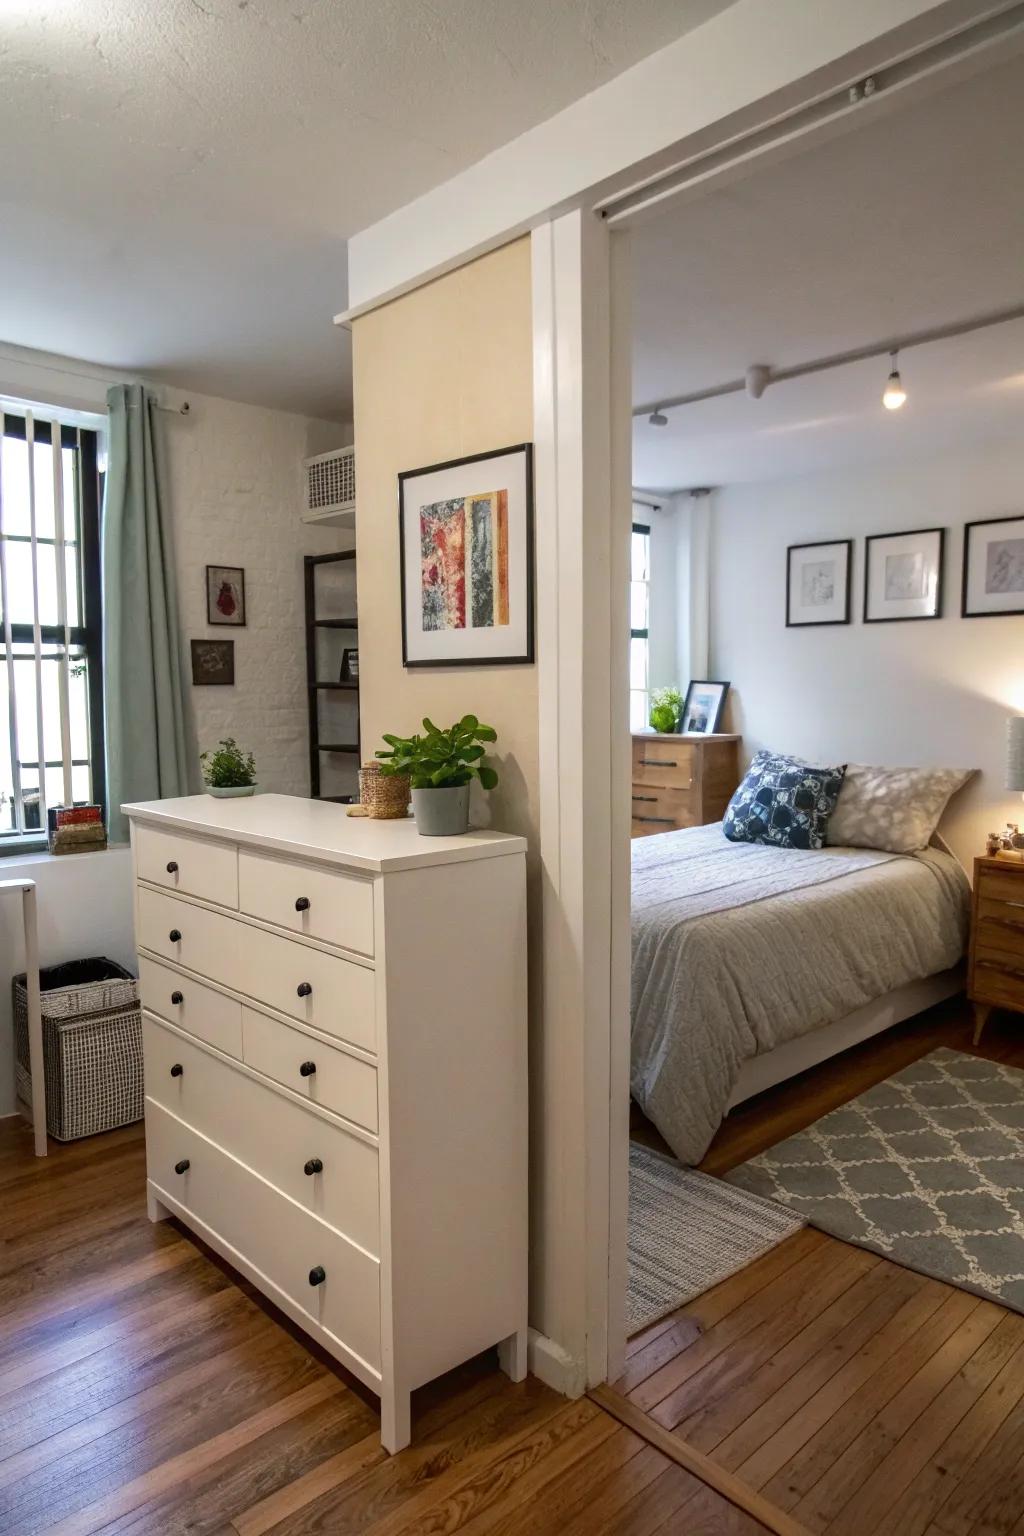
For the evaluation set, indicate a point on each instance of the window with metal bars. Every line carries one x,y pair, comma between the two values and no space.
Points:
51,677
639,620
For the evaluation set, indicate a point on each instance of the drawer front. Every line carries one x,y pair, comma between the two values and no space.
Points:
268,1133
174,930
187,864
660,810
1000,926
318,903
283,1241
341,995
339,1082
202,1011
666,762
995,978
995,886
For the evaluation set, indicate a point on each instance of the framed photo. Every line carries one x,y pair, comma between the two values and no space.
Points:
466,535
213,663
818,583
702,709
993,568
903,575
350,665
225,594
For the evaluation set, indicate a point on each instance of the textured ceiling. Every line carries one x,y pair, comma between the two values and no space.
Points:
178,177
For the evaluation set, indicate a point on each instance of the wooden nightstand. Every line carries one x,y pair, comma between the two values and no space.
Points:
996,965
681,781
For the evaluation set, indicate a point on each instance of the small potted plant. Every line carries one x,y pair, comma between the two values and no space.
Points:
666,707
441,765
228,771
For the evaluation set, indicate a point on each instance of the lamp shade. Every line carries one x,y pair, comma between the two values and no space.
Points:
1015,752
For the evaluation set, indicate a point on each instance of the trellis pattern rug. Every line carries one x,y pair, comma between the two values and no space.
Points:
927,1168
687,1232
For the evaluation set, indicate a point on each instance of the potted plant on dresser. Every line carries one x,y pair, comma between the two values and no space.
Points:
441,765
228,771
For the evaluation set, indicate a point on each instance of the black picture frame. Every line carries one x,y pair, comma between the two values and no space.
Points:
213,663
527,656
237,573
977,613
793,549
910,618
706,682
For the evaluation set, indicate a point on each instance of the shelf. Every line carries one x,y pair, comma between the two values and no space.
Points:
342,517
350,687
335,624
338,746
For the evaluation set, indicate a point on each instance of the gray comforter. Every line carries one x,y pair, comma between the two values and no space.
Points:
739,947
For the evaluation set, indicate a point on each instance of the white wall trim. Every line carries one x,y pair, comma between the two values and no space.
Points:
555,1366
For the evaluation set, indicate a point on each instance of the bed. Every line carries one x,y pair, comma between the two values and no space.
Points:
752,962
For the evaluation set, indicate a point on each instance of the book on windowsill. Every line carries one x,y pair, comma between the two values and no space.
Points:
75,828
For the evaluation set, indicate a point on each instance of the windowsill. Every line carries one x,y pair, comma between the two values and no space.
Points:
38,853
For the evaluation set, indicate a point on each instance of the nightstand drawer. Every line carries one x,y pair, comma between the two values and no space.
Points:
993,885
996,979
1000,926
665,762
660,810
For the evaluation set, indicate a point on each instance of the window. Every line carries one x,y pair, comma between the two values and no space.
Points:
639,622
51,680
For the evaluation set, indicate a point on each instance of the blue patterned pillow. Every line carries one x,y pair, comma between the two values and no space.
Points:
783,801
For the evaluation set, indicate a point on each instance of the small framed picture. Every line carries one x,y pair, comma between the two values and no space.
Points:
702,710
350,665
818,583
213,663
903,575
225,594
993,568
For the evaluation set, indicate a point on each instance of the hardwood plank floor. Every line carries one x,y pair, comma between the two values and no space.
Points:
853,1395
144,1389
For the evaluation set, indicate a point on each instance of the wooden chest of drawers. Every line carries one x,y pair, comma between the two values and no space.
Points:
335,1054
681,781
996,963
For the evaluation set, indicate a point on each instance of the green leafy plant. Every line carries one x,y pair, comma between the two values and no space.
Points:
227,766
441,759
666,707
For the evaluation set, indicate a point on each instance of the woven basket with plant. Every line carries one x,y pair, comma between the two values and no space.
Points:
385,796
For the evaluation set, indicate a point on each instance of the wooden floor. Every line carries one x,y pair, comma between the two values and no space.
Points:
144,1390
862,1399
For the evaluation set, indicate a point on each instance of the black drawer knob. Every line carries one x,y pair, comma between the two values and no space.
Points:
183,1166
313,1166
317,1275
177,997
302,904
305,989
307,1069
177,1069
172,868
175,935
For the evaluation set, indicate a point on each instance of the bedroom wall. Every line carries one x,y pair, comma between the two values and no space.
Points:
933,692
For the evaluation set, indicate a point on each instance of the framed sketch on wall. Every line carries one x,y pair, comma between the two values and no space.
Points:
993,581
466,537
903,575
818,583
225,594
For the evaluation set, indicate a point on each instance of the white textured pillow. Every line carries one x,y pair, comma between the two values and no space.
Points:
895,809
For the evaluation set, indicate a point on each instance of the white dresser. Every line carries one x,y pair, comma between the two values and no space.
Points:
335,1051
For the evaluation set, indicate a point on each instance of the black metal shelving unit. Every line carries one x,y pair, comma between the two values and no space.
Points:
315,686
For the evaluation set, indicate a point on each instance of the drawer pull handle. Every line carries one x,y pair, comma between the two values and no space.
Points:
305,989
661,821
658,762
177,997
317,1275
172,868
183,1166
1002,968
177,1070
647,799
313,1166
175,935
307,1069
302,903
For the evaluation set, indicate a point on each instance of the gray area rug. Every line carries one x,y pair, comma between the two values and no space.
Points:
687,1232
927,1168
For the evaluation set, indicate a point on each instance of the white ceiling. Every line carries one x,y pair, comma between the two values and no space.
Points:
912,222
179,176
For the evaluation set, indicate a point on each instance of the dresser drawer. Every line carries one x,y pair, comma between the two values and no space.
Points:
268,1132
339,1082
1000,926
202,1011
996,978
188,935
319,903
666,761
993,885
273,1234
659,810
341,995
188,864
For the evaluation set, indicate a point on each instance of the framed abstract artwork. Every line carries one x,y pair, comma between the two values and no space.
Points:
466,537
225,594
903,575
993,568
213,663
818,583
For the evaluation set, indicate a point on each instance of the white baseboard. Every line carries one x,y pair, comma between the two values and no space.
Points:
555,1367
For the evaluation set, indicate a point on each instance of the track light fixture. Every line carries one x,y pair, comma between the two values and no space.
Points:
657,418
895,395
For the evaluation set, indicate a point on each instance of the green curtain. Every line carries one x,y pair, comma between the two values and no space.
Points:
147,750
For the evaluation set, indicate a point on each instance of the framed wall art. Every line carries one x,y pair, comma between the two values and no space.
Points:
993,579
903,575
225,594
818,583
213,663
466,535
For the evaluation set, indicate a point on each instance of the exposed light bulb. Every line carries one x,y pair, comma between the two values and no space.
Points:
895,395
658,419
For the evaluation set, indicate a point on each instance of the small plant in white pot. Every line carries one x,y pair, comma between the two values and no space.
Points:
441,766
228,771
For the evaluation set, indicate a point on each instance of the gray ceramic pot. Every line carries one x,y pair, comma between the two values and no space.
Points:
441,812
